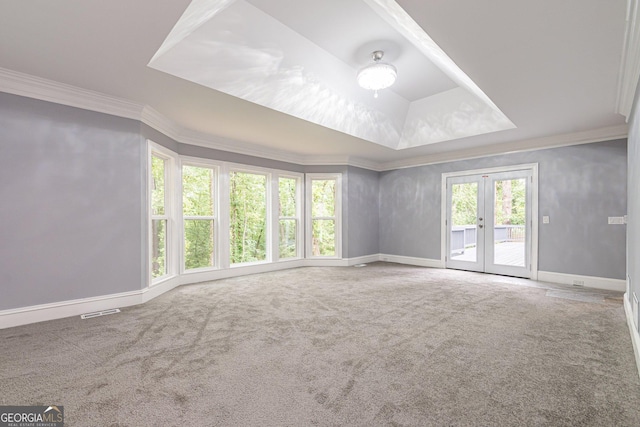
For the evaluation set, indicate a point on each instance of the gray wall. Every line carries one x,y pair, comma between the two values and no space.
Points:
363,228
72,203
73,219
633,224
73,186
579,187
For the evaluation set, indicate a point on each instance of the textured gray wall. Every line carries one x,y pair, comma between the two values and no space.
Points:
72,203
363,214
73,220
633,219
579,187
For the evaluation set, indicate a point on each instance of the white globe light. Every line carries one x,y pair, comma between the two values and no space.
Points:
378,75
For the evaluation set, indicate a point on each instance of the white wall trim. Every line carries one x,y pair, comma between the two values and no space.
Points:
629,72
588,281
555,141
189,278
363,259
44,312
158,289
157,121
420,262
58,310
635,337
48,90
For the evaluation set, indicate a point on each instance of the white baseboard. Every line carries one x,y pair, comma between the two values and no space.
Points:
317,262
159,288
587,281
421,262
190,278
635,337
363,259
58,310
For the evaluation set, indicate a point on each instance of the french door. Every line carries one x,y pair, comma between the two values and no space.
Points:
489,222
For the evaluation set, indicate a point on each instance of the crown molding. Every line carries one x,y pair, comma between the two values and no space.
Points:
48,90
202,139
629,73
555,141
42,89
159,122
363,164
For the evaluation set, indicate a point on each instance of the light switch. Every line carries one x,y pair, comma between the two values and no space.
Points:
545,219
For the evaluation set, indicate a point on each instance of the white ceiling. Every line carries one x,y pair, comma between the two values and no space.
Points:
551,67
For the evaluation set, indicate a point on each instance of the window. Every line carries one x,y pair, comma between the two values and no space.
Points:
324,228
248,234
159,217
289,223
199,221
162,253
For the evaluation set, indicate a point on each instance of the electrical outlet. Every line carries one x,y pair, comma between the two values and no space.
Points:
578,283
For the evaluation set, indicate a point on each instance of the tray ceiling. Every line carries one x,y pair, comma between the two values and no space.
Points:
277,54
552,67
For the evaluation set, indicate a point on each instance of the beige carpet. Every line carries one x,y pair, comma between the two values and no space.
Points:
381,345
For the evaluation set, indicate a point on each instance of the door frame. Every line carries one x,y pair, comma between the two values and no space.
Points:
533,167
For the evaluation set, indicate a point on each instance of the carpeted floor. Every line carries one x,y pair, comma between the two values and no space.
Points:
381,345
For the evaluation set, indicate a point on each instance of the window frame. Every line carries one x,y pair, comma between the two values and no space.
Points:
299,178
309,218
172,226
215,167
228,169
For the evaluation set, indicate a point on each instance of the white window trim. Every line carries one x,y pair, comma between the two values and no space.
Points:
299,222
173,225
216,167
268,173
309,218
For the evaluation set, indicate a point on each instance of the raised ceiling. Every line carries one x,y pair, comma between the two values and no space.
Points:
540,70
278,56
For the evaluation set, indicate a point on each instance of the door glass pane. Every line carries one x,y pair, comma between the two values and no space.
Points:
509,230
198,243
464,214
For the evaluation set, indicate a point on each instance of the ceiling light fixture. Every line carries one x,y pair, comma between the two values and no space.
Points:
378,75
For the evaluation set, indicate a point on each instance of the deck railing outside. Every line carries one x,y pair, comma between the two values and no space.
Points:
465,236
